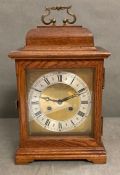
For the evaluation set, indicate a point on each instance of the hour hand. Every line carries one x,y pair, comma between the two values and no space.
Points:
49,99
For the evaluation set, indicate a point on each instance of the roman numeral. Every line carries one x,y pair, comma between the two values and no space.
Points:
81,90
84,102
81,113
72,80
38,113
72,122
36,90
47,81
60,126
35,102
47,123
59,78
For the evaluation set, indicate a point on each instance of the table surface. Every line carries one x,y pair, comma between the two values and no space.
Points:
9,142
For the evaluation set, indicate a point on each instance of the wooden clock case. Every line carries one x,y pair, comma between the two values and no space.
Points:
60,47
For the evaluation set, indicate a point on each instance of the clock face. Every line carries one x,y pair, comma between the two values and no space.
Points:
59,101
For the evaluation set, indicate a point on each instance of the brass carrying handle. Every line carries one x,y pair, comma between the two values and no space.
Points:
53,20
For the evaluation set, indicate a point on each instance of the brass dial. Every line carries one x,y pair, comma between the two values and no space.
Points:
59,101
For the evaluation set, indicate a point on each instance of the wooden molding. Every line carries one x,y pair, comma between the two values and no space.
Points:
93,154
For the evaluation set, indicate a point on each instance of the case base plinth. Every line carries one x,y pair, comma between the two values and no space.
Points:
95,155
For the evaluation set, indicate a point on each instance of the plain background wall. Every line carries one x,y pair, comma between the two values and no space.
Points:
102,17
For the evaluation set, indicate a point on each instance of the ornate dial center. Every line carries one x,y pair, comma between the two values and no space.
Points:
59,101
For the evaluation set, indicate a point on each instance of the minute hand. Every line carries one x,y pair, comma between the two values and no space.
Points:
69,97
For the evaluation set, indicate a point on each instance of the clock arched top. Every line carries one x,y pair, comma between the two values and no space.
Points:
59,36
67,42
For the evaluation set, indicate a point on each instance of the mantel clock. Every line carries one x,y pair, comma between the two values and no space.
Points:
60,79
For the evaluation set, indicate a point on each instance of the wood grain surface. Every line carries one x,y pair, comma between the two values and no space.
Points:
66,50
